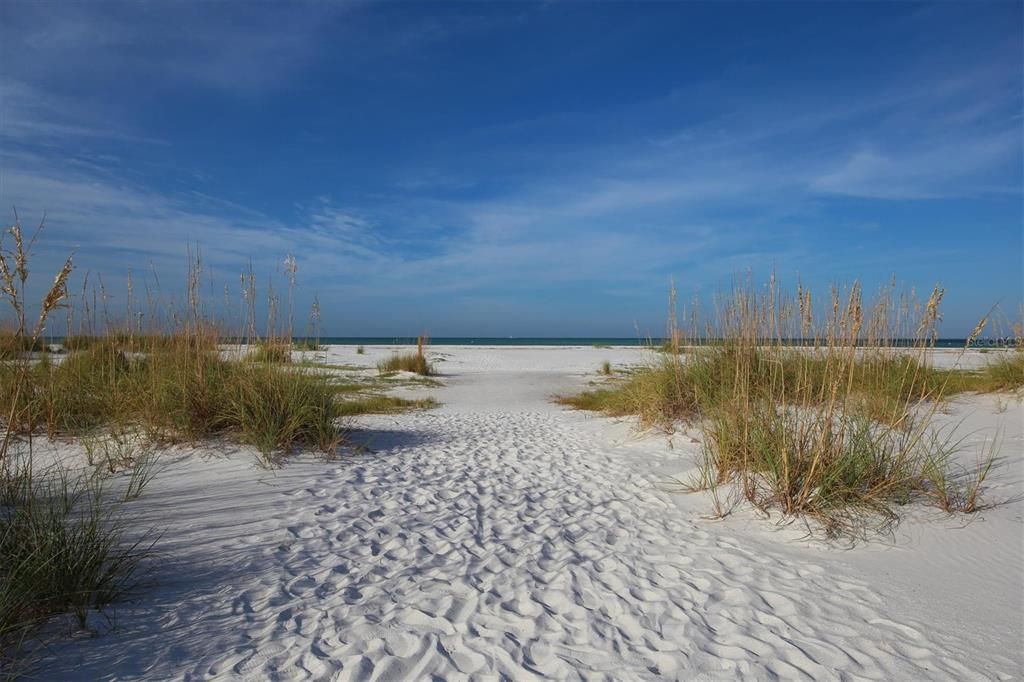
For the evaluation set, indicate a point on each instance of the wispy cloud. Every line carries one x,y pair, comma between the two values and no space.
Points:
961,166
696,179
31,115
237,48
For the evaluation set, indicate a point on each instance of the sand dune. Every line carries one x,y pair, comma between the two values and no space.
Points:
502,536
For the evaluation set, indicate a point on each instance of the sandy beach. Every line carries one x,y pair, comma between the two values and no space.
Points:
511,341
503,536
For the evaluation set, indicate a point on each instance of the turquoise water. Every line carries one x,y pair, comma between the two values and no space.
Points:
547,341
485,341
556,341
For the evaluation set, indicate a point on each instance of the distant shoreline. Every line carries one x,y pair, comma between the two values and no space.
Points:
598,341
956,343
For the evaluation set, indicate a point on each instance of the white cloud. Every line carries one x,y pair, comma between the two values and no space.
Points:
245,49
949,167
31,115
623,209
238,48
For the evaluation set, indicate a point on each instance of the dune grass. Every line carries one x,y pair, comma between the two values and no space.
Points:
61,547
13,346
120,392
415,362
656,394
1004,372
271,352
835,431
185,393
406,362
171,383
62,550
383,404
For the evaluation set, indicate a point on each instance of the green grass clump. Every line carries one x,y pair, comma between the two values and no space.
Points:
271,352
204,336
119,392
658,396
61,551
13,346
879,384
275,410
406,362
180,394
344,388
382,404
184,393
612,401
73,396
60,543
847,472
306,344
1002,373
836,430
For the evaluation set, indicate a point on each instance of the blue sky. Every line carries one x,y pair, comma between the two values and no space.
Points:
516,168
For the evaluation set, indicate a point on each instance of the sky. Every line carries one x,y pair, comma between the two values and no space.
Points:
523,169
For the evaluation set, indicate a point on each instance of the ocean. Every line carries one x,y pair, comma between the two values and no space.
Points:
573,341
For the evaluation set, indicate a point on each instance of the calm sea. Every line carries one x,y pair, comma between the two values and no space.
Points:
551,341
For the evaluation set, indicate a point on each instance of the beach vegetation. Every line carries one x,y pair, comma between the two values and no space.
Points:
62,550
383,404
1003,372
175,382
271,352
415,362
61,543
120,390
181,393
836,430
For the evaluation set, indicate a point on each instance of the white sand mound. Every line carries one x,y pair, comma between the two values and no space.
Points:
498,537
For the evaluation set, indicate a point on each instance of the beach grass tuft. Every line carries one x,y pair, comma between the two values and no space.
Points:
177,394
835,429
120,389
1003,372
61,547
406,362
415,362
383,404
171,384
271,352
62,550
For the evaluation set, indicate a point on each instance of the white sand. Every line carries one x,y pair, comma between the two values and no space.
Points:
504,536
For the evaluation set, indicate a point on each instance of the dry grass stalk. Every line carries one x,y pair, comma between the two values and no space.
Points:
168,381
826,419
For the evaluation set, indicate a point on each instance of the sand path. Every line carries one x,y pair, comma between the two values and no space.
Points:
496,537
